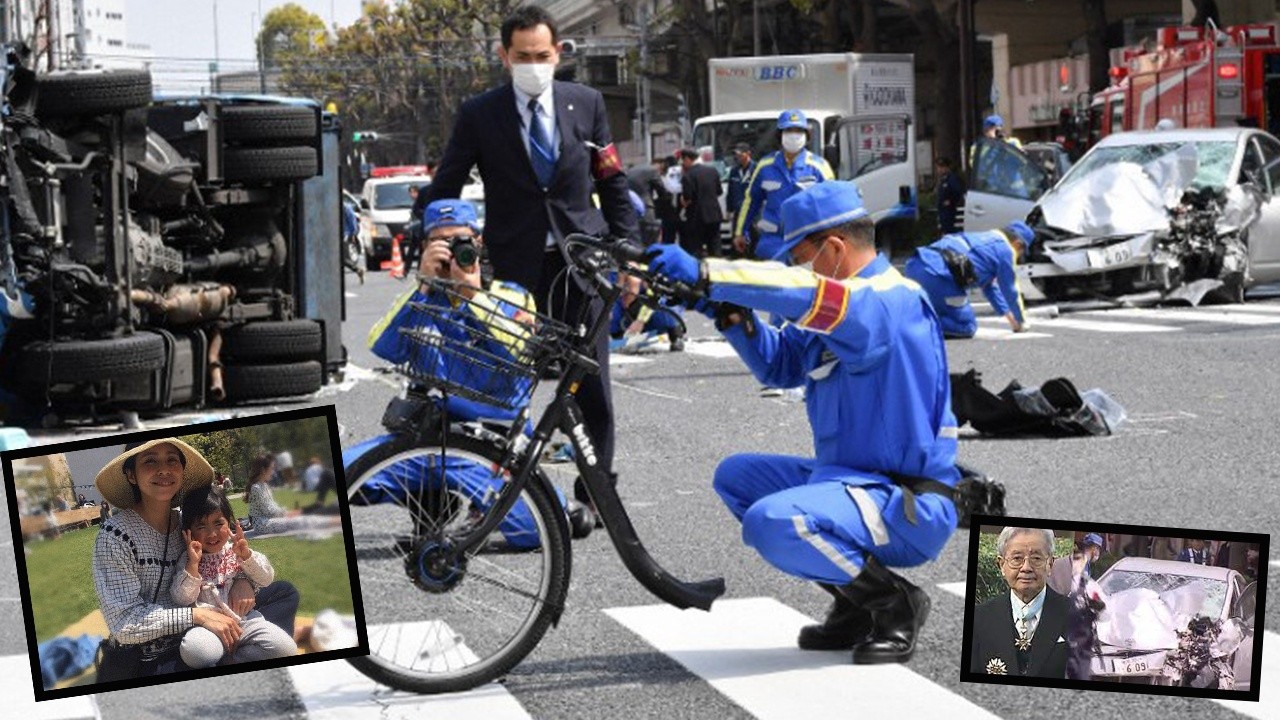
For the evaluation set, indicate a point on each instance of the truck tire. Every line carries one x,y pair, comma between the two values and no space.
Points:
91,92
268,122
273,340
255,382
87,360
262,164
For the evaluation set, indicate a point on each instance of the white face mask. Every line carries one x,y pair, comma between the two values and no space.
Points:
793,142
533,79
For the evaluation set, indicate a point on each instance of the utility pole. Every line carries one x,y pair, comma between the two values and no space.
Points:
967,113
213,66
755,26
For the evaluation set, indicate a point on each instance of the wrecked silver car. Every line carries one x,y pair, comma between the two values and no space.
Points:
1177,214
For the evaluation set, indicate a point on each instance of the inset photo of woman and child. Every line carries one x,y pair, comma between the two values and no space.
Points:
206,553
1115,607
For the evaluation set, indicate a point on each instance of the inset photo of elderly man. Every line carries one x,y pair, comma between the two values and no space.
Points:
1115,608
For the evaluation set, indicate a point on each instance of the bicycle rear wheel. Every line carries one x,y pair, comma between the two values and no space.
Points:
436,627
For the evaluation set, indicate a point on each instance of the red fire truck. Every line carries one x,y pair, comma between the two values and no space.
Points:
1195,77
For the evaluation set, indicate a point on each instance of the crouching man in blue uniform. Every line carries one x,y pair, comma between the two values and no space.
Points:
866,345
953,264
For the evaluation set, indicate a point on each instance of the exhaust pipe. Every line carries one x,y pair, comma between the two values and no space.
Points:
185,304
216,389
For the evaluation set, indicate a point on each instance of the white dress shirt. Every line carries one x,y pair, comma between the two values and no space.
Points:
1027,615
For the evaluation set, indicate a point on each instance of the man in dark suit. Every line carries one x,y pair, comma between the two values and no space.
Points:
700,196
1022,632
542,148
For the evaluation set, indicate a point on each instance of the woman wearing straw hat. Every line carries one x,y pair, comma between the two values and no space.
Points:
136,555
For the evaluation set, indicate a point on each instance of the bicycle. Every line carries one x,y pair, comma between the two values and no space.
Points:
461,543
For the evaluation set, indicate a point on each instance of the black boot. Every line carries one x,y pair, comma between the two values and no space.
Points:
898,611
846,625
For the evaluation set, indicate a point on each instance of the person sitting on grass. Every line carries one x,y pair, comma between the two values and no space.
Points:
215,556
267,516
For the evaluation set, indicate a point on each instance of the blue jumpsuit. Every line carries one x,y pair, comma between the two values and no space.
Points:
992,258
871,357
771,184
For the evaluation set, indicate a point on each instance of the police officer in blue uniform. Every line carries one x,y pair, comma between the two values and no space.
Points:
949,267
777,177
866,345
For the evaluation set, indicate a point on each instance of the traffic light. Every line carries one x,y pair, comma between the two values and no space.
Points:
360,136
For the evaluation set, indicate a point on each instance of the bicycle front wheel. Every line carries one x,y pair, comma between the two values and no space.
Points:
437,626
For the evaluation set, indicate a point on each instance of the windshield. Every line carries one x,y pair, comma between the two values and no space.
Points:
761,134
395,196
1215,590
1214,160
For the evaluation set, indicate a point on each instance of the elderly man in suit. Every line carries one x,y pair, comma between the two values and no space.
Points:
1022,632
542,147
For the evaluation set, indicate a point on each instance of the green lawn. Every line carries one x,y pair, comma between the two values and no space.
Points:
61,580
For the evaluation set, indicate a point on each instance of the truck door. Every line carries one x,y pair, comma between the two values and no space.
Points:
878,154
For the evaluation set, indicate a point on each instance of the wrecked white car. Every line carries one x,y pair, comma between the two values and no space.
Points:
1178,214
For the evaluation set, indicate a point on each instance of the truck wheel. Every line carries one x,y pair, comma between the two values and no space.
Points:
273,340
260,164
87,360
254,382
91,92
268,122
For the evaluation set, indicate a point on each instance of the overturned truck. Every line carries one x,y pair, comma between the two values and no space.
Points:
162,252
1185,215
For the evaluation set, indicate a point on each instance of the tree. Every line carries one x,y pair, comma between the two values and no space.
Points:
940,46
286,30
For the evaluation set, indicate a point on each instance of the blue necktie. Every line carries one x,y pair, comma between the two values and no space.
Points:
541,154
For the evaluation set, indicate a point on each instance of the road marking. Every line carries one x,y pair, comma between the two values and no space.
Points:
1268,705
1204,316
1276,563
334,690
746,649
955,588
20,698
710,347
1006,334
617,359
1109,327
1158,417
1260,309
653,393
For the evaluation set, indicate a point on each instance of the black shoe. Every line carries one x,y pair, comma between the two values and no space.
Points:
580,494
677,341
582,520
846,625
898,611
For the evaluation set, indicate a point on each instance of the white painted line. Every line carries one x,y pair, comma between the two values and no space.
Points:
349,294
1276,563
717,348
956,588
1260,309
1268,705
616,359
1158,417
1109,327
334,690
651,393
1200,315
1006,334
20,698
746,649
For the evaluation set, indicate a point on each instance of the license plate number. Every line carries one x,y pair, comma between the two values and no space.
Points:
1108,256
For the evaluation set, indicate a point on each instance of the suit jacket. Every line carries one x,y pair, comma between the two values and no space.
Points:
994,635
700,185
518,212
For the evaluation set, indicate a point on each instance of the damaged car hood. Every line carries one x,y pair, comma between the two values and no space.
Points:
1123,198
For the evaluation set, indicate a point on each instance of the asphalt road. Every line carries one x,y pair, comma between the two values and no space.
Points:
1200,450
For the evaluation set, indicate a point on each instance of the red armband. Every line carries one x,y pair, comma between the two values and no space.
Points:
605,162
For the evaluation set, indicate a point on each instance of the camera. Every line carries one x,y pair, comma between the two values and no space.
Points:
464,250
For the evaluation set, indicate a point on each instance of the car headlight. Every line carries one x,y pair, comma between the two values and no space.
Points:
380,230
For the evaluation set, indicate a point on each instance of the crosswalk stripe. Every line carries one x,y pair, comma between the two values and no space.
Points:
1106,326
1268,705
713,348
955,588
621,359
336,691
1255,308
745,649
20,698
985,333
1200,315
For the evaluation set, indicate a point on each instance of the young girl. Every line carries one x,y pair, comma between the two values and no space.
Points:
215,554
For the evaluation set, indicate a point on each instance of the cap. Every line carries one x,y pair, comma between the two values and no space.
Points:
992,121
790,119
1092,539
449,212
1018,230
821,207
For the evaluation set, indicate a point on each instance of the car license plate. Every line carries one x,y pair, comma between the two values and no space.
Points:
1141,664
1111,255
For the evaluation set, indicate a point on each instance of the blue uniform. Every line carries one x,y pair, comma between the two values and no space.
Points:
870,354
507,300
992,259
772,183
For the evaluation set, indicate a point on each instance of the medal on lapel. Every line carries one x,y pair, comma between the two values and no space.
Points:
1023,642
996,666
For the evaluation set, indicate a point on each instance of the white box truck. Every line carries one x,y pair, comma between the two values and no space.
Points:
861,110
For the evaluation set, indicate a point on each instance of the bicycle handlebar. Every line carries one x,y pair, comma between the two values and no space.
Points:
625,252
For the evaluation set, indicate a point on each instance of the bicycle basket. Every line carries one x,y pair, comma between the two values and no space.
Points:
483,347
